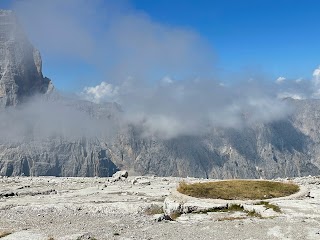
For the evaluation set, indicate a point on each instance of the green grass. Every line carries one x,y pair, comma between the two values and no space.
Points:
229,208
268,205
234,208
253,213
238,189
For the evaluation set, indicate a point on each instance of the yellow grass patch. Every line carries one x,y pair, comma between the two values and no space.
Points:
3,234
238,189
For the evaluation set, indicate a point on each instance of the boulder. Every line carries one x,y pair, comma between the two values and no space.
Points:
120,175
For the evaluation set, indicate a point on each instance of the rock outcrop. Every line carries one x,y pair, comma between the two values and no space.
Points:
20,64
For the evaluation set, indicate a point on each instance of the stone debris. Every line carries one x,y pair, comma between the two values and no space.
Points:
81,210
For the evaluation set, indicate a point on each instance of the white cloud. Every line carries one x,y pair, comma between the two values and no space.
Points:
190,107
296,96
316,83
280,80
167,80
316,72
102,92
133,44
316,76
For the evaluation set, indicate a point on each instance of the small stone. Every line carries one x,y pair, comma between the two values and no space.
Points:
144,182
134,181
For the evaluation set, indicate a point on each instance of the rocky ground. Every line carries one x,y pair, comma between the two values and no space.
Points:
100,208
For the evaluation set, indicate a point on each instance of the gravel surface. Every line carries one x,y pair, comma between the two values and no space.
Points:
100,208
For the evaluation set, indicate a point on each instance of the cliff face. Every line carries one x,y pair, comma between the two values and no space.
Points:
56,157
20,64
286,148
278,149
36,146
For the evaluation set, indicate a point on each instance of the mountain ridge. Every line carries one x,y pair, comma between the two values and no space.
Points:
55,135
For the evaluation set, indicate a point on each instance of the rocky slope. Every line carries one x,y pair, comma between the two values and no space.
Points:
44,142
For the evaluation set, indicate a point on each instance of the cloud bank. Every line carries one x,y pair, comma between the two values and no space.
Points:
172,108
41,118
163,76
116,39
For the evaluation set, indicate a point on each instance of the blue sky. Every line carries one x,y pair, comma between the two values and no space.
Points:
278,36
274,37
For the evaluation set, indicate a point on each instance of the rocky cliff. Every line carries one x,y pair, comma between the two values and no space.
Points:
55,142
20,64
280,149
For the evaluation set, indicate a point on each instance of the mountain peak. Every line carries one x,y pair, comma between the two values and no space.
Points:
20,64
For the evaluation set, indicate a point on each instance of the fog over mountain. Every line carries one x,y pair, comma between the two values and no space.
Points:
163,76
160,109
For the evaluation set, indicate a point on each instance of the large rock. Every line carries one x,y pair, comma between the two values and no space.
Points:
120,175
20,64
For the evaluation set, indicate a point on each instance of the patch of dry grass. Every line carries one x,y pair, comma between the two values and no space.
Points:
253,213
230,218
153,209
238,189
175,215
4,234
229,208
268,205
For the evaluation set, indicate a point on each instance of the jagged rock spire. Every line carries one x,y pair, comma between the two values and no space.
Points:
20,64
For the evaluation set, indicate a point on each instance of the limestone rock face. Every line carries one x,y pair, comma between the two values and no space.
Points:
56,157
20,64
285,148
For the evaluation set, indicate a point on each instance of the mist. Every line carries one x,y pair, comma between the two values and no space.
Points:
42,118
191,107
164,77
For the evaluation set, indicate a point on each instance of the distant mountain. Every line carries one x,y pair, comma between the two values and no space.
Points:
32,145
